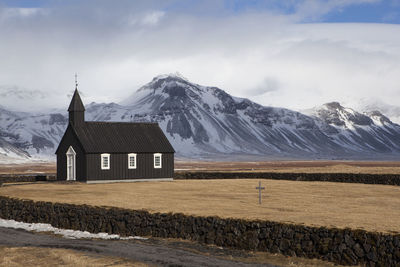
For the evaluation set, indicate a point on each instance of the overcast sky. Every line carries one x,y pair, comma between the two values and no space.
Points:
294,54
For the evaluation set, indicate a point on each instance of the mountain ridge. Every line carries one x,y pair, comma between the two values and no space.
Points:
205,121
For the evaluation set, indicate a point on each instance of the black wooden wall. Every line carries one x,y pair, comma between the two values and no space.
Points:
69,139
119,167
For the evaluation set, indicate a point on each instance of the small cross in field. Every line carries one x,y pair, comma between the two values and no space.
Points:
259,191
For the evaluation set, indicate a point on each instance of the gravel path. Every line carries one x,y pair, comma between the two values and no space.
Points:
152,252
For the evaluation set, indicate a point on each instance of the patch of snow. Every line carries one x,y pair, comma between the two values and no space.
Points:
70,234
5,159
372,104
349,110
209,98
176,74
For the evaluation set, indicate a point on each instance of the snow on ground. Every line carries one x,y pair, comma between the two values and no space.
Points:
71,234
5,159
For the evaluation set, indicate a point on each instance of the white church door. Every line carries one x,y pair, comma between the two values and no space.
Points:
71,164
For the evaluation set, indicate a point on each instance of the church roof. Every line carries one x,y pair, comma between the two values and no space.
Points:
76,103
122,137
117,137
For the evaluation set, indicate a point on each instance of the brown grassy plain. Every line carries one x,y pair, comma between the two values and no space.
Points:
40,256
34,256
28,168
372,167
378,167
369,207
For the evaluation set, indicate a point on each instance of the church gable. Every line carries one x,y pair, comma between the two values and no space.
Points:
69,138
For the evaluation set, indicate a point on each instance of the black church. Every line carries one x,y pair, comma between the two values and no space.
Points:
100,152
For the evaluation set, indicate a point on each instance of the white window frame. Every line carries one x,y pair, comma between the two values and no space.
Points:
105,155
130,155
154,160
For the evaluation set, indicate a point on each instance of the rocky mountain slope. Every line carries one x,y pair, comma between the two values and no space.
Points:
369,105
34,134
10,153
370,132
203,122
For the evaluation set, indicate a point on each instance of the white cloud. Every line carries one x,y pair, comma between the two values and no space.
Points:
260,55
153,17
22,12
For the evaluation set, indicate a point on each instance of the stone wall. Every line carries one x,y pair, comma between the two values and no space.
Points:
387,179
18,178
346,246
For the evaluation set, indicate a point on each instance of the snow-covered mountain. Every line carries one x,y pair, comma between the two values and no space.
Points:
369,105
199,119
35,134
10,153
203,122
370,132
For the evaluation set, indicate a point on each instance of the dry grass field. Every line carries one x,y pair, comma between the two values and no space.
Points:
252,257
369,207
40,256
372,167
28,168
33,256
378,167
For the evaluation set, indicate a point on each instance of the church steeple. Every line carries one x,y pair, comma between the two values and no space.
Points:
76,109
